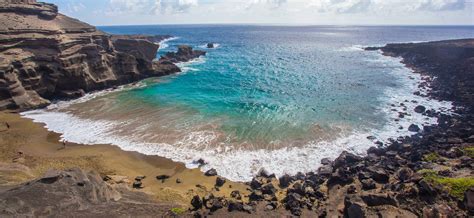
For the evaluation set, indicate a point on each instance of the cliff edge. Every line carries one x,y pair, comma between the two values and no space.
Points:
46,55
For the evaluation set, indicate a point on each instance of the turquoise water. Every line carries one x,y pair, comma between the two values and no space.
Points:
265,97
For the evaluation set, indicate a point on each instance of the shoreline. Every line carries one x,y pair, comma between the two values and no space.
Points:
332,185
42,150
357,142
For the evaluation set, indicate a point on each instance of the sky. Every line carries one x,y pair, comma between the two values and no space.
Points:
284,12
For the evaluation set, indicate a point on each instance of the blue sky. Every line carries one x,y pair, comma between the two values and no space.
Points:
291,12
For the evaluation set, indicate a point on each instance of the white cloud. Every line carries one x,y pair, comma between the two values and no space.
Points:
173,6
266,3
359,6
118,7
76,7
441,5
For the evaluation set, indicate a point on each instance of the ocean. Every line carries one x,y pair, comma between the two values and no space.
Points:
274,97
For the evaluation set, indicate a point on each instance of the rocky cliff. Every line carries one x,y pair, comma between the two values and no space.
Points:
45,55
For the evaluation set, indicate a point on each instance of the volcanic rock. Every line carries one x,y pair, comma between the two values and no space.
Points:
211,172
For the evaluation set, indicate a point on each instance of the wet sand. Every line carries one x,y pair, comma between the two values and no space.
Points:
28,150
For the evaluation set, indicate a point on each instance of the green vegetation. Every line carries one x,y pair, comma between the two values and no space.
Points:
431,157
455,186
469,151
178,210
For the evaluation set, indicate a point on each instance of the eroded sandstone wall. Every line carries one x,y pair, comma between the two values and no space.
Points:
45,55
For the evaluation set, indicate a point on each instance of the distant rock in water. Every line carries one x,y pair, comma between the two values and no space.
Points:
210,45
45,55
185,53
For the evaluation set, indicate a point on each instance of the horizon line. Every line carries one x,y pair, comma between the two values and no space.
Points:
291,25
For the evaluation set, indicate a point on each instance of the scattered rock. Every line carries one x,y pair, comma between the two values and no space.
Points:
140,178
163,177
346,159
265,174
420,109
211,172
326,161
137,184
354,207
285,181
379,199
196,202
220,181
469,200
438,210
368,184
236,194
268,189
413,128
404,174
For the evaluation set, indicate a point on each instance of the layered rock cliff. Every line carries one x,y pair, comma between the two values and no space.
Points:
45,55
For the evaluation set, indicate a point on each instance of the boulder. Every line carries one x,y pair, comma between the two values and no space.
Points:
368,184
346,159
438,210
235,206
294,203
372,199
256,183
413,128
163,177
265,174
469,200
236,194
137,184
269,189
405,174
378,174
354,207
196,202
256,195
211,172
220,181
420,109
326,161
340,177
285,181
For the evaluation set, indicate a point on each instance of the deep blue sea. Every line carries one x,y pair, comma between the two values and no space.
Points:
273,97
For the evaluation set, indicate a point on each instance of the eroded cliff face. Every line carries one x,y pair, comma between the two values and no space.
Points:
46,55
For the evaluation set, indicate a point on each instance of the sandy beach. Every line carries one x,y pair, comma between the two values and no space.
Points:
28,150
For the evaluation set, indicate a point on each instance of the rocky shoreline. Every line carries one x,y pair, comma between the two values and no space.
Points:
429,174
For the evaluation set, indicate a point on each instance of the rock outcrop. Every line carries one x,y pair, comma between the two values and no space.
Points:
76,193
45,55
184,54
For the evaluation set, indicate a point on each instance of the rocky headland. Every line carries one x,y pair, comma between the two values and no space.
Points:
45,55
429,174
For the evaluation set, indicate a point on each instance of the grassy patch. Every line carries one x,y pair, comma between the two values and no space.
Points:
178,210
469,151
431,157
455,186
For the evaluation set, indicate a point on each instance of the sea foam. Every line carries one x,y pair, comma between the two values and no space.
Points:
240,164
